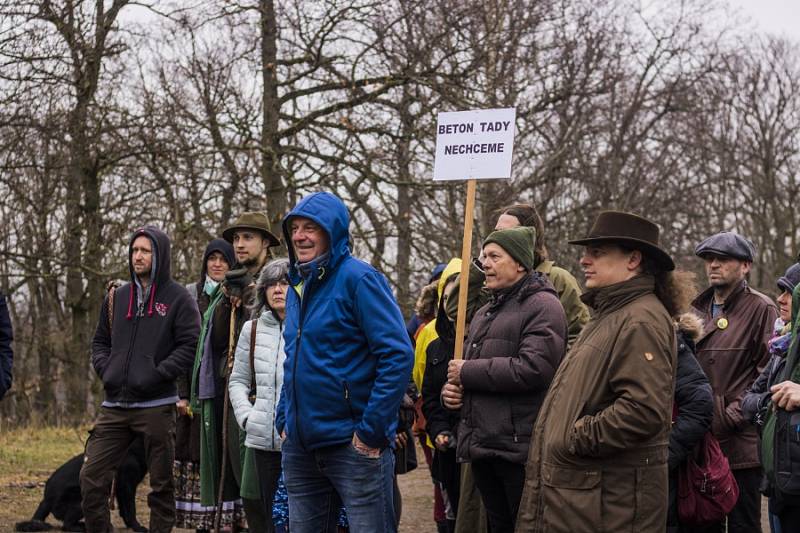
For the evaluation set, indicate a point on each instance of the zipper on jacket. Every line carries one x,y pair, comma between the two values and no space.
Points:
303,299
275,382
513,422
127,366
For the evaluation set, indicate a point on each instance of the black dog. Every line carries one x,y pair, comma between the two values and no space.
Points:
62,493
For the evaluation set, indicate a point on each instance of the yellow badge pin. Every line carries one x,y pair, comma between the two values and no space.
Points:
722,323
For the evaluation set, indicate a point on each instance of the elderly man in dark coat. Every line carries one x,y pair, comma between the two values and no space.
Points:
515,344
598,456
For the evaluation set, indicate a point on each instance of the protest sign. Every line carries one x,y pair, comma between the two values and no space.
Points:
472,145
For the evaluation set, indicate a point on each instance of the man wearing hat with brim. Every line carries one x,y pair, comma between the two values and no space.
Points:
598,454
251,238
733,351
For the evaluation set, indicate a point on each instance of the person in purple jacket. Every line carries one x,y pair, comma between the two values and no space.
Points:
145,339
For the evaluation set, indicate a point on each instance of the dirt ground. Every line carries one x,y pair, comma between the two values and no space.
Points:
27,457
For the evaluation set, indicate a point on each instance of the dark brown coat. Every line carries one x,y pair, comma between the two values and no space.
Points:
598,457
515,345
733,357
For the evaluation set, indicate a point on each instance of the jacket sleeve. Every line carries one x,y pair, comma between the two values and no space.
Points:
280,413
185,332
541,348
239,385
695,407
436,416
379,317
640,376
101,344
728,413
569,294
6,353
424,339
758,393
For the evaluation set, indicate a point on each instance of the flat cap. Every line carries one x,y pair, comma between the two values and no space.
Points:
729,244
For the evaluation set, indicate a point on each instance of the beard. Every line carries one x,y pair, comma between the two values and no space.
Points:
251,262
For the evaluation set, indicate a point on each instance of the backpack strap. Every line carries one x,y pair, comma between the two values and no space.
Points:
254,325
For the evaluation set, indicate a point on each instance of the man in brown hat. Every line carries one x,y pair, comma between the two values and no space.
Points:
598,453
251,239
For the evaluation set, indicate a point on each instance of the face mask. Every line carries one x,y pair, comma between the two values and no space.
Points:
209,286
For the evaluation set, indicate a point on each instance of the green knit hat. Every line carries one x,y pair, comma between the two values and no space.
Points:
518,242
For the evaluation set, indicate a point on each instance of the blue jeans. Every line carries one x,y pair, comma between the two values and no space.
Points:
319,481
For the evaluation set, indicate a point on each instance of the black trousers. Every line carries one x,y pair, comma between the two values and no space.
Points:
269,472
500,483
746,516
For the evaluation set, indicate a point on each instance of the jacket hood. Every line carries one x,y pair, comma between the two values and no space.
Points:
444,327
331,214
161,253
453,267
217,245
691,325
160,273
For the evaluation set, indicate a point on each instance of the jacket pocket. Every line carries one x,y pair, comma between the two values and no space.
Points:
572,499
113,372
651,498
142,374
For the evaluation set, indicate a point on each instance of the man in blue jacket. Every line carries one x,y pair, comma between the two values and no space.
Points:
145,339
348,361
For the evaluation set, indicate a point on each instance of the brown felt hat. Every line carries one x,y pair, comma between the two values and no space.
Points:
255,221
631,230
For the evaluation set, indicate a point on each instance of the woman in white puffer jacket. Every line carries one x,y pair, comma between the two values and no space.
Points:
258,419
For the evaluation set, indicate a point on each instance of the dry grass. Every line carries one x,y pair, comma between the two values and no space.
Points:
29,455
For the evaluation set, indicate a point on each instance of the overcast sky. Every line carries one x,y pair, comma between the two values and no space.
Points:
781,17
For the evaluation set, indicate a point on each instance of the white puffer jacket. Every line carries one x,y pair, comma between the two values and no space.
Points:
269,357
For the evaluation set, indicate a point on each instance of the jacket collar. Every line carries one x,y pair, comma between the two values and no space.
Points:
703,301
608,299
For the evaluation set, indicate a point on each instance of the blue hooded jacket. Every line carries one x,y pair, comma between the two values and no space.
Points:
348,357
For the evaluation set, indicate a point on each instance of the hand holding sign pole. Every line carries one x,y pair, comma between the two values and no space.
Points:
472,145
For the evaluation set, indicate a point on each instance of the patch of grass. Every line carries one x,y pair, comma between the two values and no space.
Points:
28,454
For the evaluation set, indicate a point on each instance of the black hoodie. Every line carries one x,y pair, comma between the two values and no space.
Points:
152,341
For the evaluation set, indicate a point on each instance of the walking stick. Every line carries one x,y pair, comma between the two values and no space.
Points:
224,455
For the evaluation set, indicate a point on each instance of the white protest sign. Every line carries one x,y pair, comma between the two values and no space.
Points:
474,144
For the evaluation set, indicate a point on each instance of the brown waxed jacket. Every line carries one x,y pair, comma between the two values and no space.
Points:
598,456
733,357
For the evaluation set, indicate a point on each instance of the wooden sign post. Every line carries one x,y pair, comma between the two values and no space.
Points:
472,145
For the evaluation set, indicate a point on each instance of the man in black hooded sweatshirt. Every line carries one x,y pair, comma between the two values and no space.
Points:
145,339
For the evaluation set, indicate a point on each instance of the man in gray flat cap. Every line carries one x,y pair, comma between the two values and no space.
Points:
733,352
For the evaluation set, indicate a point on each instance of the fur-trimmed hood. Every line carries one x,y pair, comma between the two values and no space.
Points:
690,325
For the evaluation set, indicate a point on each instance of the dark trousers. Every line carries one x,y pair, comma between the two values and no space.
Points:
789,518
269,472
500,483
105,450
253,509
746,515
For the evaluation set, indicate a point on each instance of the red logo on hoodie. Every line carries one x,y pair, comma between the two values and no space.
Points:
161,309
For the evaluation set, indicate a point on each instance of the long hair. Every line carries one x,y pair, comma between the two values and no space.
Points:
674,288
528,216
